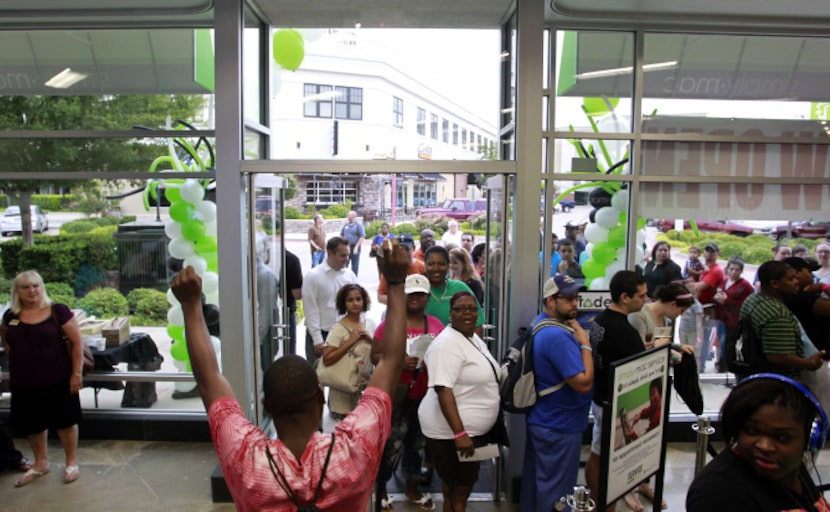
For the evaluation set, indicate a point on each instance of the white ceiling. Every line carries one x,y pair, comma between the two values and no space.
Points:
734,14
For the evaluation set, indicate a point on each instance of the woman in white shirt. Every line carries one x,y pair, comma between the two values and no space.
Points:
462,403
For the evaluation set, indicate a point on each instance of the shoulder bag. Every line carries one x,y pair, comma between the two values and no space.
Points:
343,375
88,360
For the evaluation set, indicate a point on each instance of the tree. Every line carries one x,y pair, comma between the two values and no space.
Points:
61,113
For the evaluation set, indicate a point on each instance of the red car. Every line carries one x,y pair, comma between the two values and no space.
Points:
730,228
812,230
457,208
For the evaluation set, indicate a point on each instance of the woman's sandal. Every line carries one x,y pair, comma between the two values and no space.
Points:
648,493
70,474
633,502
30,476
386,503
24,464
425,501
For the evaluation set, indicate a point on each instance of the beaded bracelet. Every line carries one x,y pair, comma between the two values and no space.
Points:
460,434
586,347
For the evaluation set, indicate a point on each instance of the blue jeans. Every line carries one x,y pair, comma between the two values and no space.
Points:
317,257
706,343
354,259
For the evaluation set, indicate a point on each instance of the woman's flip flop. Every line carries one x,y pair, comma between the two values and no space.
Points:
70,474
30,476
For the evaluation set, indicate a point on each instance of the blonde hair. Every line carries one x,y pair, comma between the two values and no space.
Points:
27,278
467,270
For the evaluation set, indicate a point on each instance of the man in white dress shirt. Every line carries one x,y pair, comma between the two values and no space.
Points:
319,291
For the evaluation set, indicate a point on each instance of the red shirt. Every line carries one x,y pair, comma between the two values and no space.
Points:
730,311
419,387
712,276
347,485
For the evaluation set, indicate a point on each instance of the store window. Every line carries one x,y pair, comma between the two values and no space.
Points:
348,103
317,100
422,121
433,126
397,112
331,191
423,194
445,131
454,134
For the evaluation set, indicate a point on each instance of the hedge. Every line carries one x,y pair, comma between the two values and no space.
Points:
104,303
753,249
48,202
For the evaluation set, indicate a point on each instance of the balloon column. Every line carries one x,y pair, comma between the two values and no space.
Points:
606,232
191,228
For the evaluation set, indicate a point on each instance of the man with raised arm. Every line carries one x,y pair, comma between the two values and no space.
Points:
302,466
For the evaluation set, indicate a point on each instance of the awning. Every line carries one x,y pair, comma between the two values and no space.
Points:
424,177
161,61
696,66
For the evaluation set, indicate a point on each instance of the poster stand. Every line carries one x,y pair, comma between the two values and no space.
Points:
633,441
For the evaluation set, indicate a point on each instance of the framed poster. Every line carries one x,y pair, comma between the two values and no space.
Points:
633,441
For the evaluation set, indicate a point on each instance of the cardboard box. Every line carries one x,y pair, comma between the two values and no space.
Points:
90,327
117,331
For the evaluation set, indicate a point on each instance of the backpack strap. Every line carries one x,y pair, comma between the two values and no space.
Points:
550,322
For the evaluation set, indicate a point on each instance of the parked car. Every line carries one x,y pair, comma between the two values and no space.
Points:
720,226
457,208
812,230
11,223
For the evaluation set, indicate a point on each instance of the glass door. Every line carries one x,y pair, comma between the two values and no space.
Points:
271,307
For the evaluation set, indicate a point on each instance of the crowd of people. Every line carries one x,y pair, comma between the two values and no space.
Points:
427,396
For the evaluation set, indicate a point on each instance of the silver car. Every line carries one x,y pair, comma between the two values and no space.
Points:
10,223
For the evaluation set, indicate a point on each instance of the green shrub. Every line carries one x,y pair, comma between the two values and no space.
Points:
292,212
104,230
148,304
732,248
61,292
6,297
335,211
437,223
74,227
54,202
407,227
104,303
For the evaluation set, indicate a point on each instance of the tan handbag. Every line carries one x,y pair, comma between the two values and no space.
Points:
342,375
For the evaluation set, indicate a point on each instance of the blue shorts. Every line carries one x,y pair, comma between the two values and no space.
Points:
596,440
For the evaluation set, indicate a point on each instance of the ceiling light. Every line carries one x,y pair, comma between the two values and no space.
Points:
627,70
65,79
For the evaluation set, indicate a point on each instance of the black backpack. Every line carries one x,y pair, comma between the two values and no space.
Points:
518,382
743,354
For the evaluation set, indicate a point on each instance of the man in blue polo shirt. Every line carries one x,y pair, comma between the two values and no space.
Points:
564,369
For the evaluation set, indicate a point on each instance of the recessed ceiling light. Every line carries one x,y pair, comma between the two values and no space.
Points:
65,79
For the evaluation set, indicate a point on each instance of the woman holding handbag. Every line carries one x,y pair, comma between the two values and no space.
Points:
350,337
462,403
45,351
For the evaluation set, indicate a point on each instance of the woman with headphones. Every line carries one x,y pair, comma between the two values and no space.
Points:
770,421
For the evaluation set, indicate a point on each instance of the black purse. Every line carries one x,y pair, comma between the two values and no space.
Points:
498,432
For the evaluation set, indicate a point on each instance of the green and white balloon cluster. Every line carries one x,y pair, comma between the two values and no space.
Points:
606,238
192,232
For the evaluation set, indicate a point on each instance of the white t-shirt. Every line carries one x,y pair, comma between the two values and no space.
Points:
455,362
450,238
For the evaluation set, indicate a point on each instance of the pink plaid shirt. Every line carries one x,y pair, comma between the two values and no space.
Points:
358,445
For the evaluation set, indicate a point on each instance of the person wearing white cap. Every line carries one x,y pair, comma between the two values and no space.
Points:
406,440
562,360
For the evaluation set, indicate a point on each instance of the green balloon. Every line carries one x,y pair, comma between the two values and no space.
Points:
206,244
289,49
178,350
604,253
593,268
176,332
181,211
172,194
212,260
597,106
616,236
193,230
641,223
588,281
623,218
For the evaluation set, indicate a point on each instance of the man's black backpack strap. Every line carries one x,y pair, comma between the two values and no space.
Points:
283,483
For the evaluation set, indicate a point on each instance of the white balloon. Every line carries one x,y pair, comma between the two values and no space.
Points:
598,283
607,217
276,80
210,282
621,253
217,344
312,34
596,233
173,229
171,299
182,367
620,200
641,237
640,254
175,316
180,248
207,209
612,268
184,387
589,249
197,262
212,298
210,228
192,191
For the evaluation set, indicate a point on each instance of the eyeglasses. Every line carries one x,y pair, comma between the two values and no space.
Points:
465,309
571,298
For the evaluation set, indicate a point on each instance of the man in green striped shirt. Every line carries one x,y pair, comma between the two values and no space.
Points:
774,324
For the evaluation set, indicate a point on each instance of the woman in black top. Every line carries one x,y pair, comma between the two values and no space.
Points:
661,269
